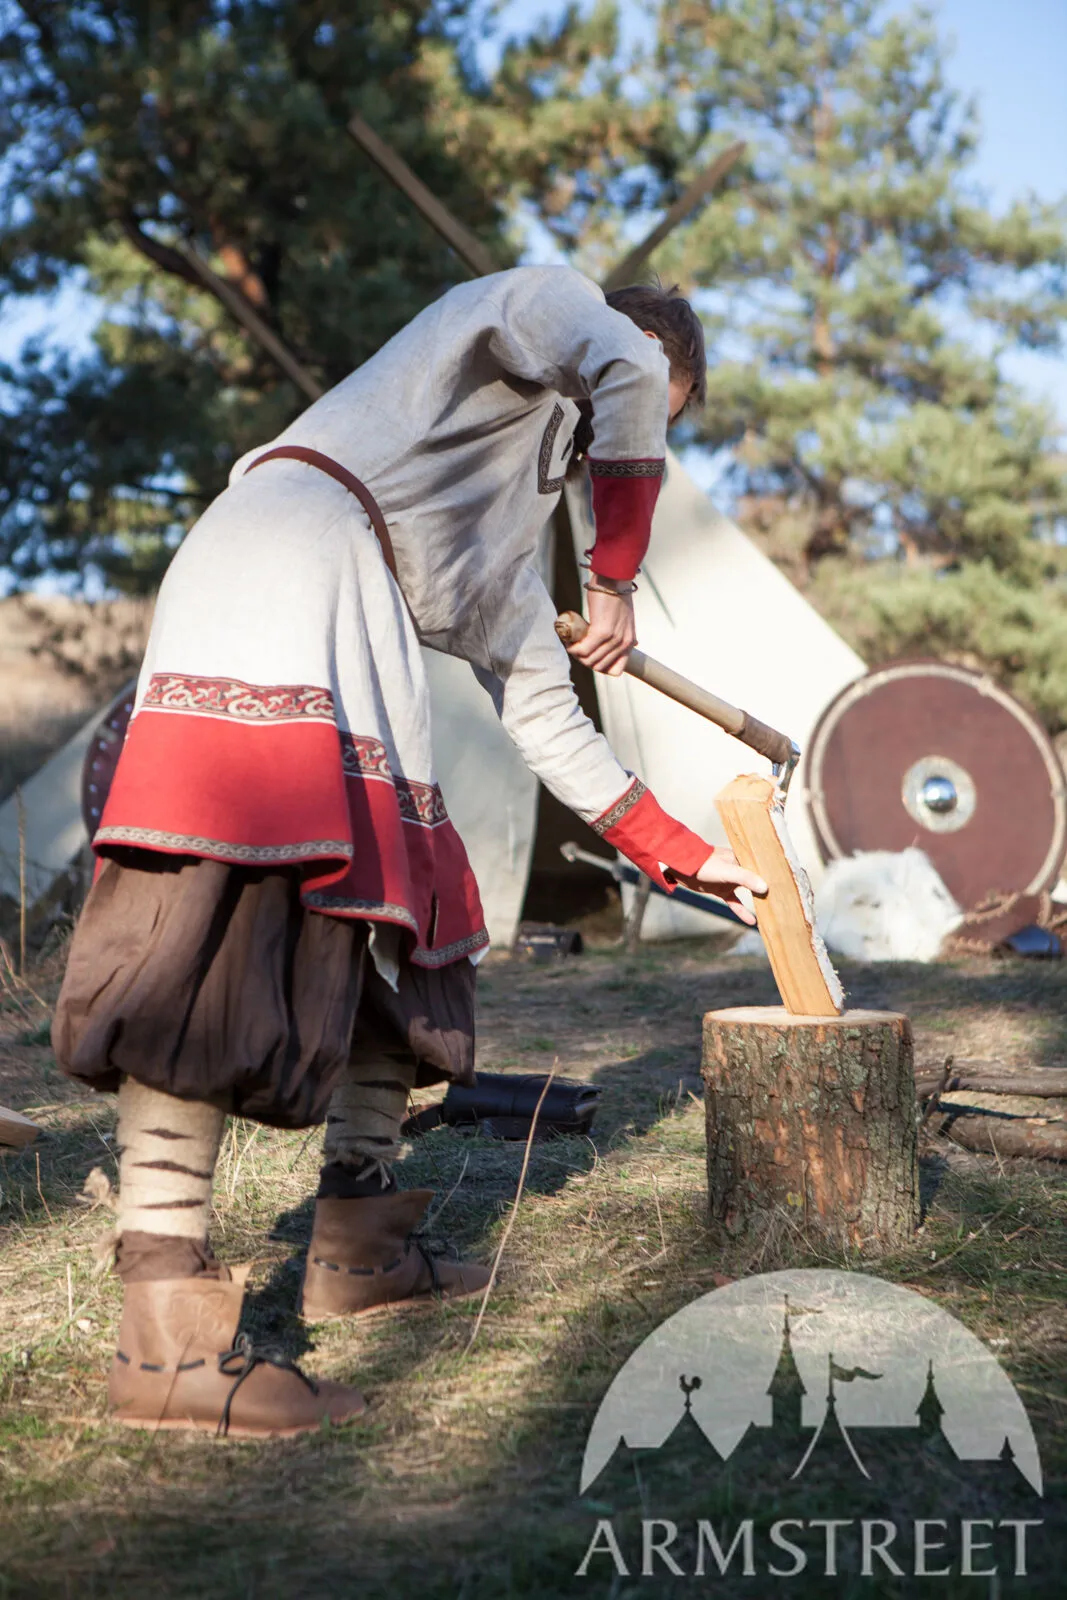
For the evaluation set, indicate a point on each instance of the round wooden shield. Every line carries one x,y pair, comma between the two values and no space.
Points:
102,756
927,754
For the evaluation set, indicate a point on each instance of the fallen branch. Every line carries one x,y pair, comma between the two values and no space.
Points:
991,1077
993,1133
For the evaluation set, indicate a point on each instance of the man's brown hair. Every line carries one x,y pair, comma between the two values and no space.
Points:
668,314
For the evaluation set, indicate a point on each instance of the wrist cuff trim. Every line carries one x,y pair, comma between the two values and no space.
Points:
638,827
624,498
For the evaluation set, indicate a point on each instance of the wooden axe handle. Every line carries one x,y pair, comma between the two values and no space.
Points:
757,735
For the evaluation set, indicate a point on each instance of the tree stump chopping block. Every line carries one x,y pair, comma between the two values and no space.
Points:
811,1126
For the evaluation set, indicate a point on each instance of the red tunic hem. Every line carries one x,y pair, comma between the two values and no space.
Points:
274,782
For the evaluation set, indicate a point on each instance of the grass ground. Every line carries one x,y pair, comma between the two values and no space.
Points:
461,1481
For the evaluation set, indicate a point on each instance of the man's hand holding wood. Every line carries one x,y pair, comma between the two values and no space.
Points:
721,876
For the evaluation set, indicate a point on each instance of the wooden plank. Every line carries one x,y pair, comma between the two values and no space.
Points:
754,819
16,1130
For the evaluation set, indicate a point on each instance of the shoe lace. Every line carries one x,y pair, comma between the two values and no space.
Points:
243,1360
431,1250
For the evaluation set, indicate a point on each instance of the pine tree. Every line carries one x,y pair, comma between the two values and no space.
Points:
857,288
131,128
860,294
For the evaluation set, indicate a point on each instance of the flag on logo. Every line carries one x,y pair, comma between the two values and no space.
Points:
846,1374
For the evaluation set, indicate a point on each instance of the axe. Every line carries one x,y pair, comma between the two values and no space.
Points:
753,815
777,747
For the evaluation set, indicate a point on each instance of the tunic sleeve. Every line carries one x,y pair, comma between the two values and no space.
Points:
517,657
556,329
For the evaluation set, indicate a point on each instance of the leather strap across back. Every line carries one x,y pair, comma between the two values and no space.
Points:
334,469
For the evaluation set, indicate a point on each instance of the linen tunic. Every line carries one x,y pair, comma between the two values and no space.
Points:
282,695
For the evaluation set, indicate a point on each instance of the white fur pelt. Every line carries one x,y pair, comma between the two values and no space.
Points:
884,905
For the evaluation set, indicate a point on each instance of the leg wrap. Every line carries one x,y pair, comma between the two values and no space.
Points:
168,1153
367,1108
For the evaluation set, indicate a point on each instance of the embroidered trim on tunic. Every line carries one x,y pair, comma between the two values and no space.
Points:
318,901
626,469
614,815
545,484
340,904
229,697
450,952
189,844
364,757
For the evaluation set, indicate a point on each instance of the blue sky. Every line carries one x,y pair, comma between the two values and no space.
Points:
1011,56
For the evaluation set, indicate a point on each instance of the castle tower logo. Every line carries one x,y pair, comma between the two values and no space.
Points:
788,1392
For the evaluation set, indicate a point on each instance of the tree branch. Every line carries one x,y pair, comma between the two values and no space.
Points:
161,255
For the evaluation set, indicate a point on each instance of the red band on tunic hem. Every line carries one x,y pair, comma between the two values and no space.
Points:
293,791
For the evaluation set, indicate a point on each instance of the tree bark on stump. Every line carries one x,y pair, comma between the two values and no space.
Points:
811,1125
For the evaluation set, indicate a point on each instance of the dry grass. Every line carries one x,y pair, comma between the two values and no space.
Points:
461,1480
61,660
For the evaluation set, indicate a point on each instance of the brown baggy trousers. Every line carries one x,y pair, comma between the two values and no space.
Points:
213,982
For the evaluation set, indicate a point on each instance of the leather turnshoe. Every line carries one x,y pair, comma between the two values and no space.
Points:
181,1363
365,1257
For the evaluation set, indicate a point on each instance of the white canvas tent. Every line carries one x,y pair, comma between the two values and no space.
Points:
709,604
53,832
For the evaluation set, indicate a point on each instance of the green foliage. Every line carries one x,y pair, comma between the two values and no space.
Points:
974,616
842,262
131,129
858,290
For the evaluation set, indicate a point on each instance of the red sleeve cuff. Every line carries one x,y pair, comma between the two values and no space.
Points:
638,827
624,498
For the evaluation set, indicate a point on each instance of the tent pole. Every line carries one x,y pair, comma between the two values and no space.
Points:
470,250
699,190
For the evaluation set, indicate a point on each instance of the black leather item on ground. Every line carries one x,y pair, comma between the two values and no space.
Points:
544,942
502,1106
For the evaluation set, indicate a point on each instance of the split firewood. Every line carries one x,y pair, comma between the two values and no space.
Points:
16,1131
753,816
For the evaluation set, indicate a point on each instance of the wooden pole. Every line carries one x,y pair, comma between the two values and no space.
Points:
631,937
698,190
470,250
244,313
22,882
811,1126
